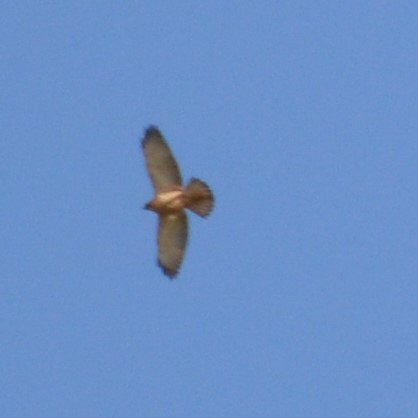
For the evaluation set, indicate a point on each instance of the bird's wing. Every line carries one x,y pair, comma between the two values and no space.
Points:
172,241
161,164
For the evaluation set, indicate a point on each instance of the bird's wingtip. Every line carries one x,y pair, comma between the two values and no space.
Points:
150,131
170,273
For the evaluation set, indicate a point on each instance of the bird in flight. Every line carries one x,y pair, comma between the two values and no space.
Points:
171,199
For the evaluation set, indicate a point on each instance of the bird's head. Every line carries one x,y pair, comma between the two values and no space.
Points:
149,206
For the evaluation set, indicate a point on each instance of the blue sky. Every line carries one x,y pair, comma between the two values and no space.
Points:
297,297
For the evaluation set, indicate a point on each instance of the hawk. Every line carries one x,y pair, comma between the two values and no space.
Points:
171,199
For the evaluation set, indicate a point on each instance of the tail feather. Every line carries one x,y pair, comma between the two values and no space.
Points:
199,197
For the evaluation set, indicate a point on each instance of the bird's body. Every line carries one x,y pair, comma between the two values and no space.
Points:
171,199
168,202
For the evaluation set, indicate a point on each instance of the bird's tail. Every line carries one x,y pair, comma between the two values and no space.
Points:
199,198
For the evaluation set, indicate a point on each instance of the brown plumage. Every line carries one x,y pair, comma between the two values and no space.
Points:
171,199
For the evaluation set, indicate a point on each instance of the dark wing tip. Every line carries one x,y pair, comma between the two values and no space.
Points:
151,131
167,271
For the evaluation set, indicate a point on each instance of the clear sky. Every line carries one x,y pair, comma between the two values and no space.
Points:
298,297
